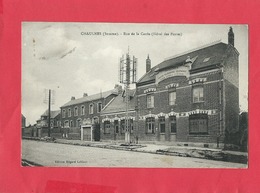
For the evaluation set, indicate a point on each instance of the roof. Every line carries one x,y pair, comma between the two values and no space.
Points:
91,97
119,105
204,56
53,113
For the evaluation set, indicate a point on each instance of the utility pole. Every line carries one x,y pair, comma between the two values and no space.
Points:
49,114
127,76
49,98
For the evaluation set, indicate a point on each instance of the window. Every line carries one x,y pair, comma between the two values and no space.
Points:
78,123
69,113
197,93
63,113
150,125
66,124
99,107
76,112
172,124
172,98
106,127
123,126
91,109
162,124
132,126
95,120
198,124
71,123
116,124
150,101
83,110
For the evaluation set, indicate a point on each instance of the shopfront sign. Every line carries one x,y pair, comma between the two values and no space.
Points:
180,71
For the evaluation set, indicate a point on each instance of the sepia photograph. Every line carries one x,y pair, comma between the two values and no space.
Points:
134,95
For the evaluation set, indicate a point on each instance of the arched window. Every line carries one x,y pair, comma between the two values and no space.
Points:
71,123
63,113
76,111
91,109
82,110
78,123
69,112
66,124
99,107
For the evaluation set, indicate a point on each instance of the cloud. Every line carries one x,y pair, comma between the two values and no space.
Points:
55,44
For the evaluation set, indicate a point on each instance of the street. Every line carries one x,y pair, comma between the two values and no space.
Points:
54,154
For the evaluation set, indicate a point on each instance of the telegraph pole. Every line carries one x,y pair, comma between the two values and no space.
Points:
49,114
49,98
127,76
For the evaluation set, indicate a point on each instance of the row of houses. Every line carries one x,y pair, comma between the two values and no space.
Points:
189,98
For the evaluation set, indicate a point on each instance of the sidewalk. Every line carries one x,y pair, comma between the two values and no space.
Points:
183,151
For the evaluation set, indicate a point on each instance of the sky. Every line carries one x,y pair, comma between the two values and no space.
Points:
76,58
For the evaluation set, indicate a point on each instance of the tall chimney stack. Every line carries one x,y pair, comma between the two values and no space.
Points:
231,37
148,64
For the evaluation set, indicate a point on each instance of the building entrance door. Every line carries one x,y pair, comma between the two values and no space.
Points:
87,132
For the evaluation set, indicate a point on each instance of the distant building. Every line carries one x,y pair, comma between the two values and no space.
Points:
85,111
23,121
54,120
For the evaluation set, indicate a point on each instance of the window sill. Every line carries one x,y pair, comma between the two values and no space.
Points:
199,135
198,102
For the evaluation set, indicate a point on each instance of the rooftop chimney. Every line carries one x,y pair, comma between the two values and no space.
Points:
85,94
231,37
118,88
73,98
148,64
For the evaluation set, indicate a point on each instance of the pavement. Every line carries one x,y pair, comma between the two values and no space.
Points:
171,150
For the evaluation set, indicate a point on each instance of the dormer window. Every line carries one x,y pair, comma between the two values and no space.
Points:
206,59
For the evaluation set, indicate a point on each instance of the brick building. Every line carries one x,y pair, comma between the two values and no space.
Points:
54,121
85,111
192,97
189,98
114,117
